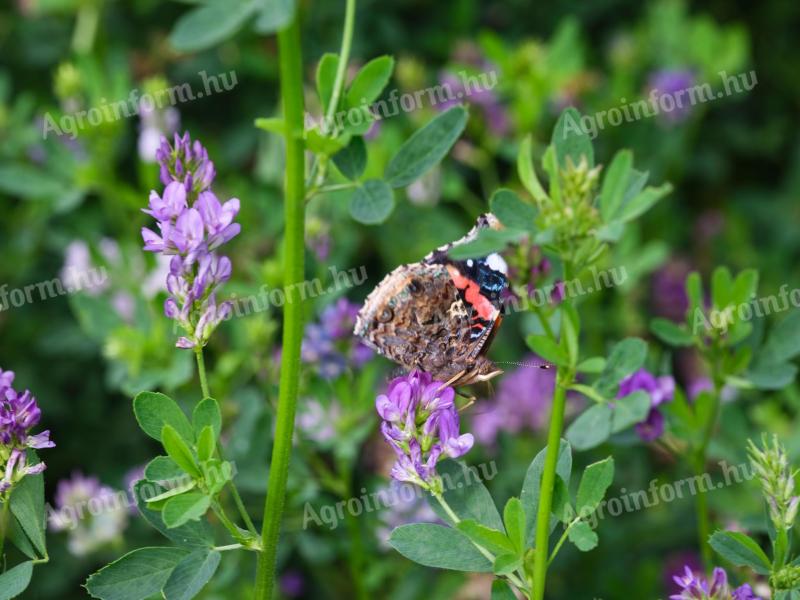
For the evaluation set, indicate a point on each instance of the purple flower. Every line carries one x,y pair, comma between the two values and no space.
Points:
94,514
330,346
522,403
292,584
669,291
477,90
670,82
192,224
660,389
155,124
696,587
421,424
19,413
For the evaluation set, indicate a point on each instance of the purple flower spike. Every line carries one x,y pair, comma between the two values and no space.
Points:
421,424
192,224
19,413
660,389
696,587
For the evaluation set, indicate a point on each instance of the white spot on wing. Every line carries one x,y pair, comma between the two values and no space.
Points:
496,263
469,262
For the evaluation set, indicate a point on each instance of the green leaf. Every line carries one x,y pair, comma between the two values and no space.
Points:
533,480
372,202
591,428
207,413
191,575
783,343
190,506
206,444
615,183
467,496
178,450
210,24
527,172
625,358
352,159
583,536
16,580
570,141
439,547
154,410
643,202
740,550
137,575
514,521
426,147
506,563
549,350
594,482
326,77
562,504
370,80
163,468
318,143
27,506
721,287
772,376
744,286
670,333
194,534
272,125
487,241
594,364
513,212
493,540
501,590
630,410
274,15
18,537
180,487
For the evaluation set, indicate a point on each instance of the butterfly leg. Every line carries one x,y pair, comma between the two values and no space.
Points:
452,380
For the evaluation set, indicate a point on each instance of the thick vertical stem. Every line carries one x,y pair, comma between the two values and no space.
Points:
291,74
548,484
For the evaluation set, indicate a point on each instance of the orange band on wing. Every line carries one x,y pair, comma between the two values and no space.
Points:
472,293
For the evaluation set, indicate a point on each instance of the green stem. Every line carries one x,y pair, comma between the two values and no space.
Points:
291,77
229,525
201,370
3,526
548,484
562,540
489,556
701,499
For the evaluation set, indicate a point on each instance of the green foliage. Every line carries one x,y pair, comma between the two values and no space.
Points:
440,547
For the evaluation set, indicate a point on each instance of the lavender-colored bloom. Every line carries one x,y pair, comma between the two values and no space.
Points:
155,124
330,346
696,587
91,512
479,94
669,290
660,389
192,224
292,584
671,82
421,424
522,402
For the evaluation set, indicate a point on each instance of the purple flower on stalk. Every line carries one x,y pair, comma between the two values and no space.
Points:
192,225
420,422
19,413
695,587
660,389
330,345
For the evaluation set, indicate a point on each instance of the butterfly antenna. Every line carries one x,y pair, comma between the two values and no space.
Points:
530,365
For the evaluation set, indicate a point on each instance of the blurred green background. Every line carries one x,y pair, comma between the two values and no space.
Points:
75,202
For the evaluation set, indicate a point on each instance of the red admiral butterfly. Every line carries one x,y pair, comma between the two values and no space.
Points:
439,315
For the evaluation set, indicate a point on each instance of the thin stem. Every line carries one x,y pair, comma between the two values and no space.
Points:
229,525
548,484
3,526
344,57
237,499
231,547
201,370
489,556
291,77
562,540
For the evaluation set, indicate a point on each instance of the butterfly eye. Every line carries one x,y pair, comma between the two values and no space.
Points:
385,315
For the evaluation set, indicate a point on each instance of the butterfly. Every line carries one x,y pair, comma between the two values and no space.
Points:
439,314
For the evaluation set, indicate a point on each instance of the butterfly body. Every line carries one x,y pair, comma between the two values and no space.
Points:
439,315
